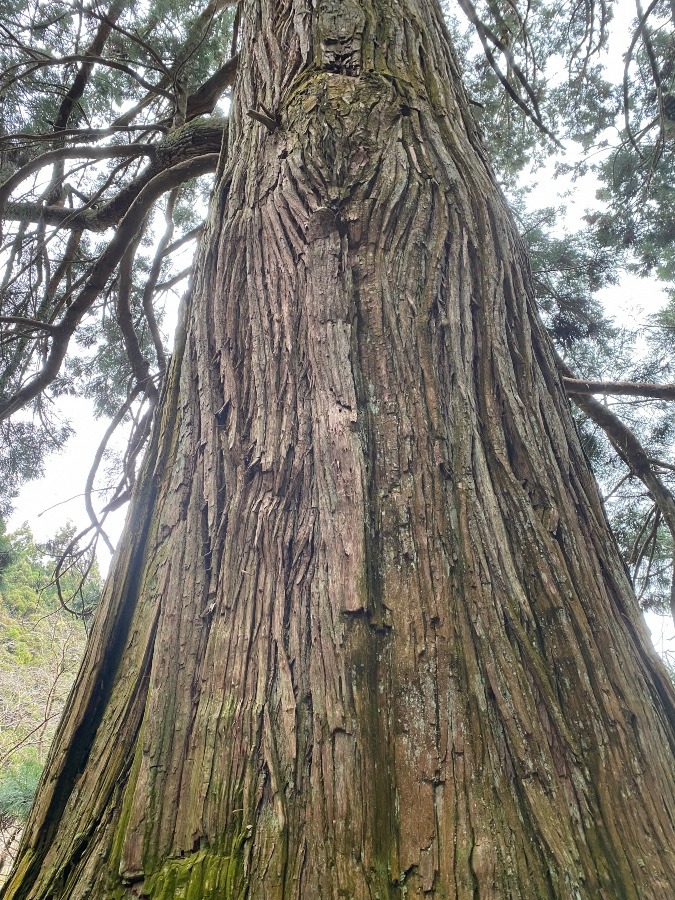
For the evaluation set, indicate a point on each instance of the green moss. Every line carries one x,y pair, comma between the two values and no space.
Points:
382,887
118,840
12,888
208,874
368,652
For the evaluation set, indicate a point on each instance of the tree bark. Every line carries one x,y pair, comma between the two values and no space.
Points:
367,634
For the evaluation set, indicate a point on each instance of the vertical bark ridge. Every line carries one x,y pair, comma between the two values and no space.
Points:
394,651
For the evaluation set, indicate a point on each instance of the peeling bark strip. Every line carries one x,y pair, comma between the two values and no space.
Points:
380,643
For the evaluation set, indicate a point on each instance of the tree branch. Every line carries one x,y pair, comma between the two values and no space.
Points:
102,270
204,99
82,77
577,386
634,456
194,140
9,141
153,278
89,487
52,156
191,235
33,324
91,60
486,34
139,364
193,40
628,56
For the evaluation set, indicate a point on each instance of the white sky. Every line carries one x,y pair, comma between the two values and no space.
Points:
47,503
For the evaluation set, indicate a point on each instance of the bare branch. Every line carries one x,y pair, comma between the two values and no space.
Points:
576,386
33,324
204,99
164,286
191,141
52,156
634,456
91,61
76,134
102,270
89,486
191,235
153,278
139,364
660,464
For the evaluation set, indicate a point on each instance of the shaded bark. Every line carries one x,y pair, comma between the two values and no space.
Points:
367,634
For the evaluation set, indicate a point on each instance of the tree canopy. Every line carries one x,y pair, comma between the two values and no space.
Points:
112,124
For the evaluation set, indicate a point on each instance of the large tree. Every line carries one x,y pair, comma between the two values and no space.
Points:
367,633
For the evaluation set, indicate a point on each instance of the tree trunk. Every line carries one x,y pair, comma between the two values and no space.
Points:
367,634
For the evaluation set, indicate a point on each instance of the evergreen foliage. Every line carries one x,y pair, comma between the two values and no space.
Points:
18,783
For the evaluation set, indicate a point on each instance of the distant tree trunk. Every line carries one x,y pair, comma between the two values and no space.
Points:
367,634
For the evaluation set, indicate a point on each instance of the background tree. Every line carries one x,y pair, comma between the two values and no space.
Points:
76,166
40,651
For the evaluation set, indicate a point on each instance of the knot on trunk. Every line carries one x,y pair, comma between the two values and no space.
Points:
340,32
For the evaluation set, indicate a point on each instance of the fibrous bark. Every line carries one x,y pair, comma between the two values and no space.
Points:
367,634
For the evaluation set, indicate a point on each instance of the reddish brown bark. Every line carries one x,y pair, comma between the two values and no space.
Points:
368,634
